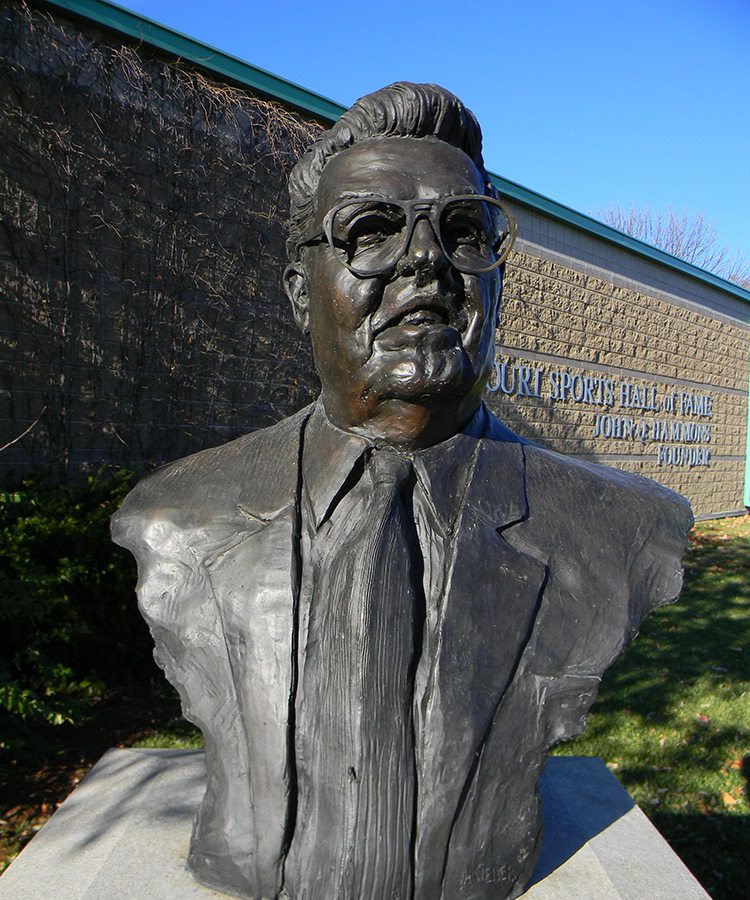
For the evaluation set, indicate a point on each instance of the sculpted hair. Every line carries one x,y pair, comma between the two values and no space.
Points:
402,109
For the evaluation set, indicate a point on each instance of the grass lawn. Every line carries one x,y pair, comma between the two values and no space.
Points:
673,716
672,722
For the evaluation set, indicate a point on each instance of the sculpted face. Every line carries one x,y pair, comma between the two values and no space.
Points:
404,355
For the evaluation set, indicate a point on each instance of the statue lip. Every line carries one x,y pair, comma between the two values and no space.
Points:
422,309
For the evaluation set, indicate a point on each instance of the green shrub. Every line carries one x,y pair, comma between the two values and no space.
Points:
69,626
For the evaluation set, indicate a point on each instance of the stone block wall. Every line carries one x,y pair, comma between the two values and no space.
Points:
630,378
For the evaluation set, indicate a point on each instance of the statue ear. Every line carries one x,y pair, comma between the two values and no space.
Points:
296,290
499,301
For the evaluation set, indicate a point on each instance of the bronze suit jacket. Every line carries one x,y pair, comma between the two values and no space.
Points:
574,555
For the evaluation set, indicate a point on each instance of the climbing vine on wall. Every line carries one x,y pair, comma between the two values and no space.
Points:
141,251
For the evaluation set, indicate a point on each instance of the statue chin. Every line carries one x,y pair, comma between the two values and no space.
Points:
436,365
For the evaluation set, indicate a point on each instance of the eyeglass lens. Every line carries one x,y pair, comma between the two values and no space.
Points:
371,235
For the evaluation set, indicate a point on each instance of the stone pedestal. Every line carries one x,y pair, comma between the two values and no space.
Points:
123,834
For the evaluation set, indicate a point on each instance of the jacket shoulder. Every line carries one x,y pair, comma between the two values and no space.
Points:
592,493
561,490
613,543
256,472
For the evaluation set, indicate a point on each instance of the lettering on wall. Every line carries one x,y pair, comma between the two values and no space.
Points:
675,423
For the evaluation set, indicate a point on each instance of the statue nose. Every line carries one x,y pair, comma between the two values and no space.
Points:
423,252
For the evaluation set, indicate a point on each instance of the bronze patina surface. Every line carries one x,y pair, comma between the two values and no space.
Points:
384,610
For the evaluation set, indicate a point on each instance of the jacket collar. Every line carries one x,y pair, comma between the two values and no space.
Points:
444,471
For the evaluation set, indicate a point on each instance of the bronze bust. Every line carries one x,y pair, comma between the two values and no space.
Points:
384,610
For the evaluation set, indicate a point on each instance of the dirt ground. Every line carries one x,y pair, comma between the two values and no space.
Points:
30,793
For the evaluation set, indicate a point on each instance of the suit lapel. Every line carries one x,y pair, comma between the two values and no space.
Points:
255,584
488,612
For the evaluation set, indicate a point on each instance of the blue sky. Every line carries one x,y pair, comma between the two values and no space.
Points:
590,102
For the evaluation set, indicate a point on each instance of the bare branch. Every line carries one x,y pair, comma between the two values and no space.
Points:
688,236
25,432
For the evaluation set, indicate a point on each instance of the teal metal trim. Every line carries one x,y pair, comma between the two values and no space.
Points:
215,61
120,20
555,210
746,501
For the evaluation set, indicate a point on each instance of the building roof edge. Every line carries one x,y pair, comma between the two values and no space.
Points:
582,222
123,21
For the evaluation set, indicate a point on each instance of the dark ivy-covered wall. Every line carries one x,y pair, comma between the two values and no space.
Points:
141,252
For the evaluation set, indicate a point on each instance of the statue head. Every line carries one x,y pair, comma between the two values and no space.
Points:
396,250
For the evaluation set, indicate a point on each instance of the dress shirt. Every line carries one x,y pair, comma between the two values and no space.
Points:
333,461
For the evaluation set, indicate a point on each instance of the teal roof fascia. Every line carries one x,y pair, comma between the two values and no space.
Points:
562,213
123,21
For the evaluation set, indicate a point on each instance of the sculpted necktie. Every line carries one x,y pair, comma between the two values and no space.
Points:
355,741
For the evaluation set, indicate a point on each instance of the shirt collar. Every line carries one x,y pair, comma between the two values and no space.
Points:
330,455
328,458
444,470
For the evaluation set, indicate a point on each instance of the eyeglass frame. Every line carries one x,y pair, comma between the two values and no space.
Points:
432,210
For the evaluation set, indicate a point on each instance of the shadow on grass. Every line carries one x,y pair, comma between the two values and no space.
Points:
704,749
705,635
716,849
672,717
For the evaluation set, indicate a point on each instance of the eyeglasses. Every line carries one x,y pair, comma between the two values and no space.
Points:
371,234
